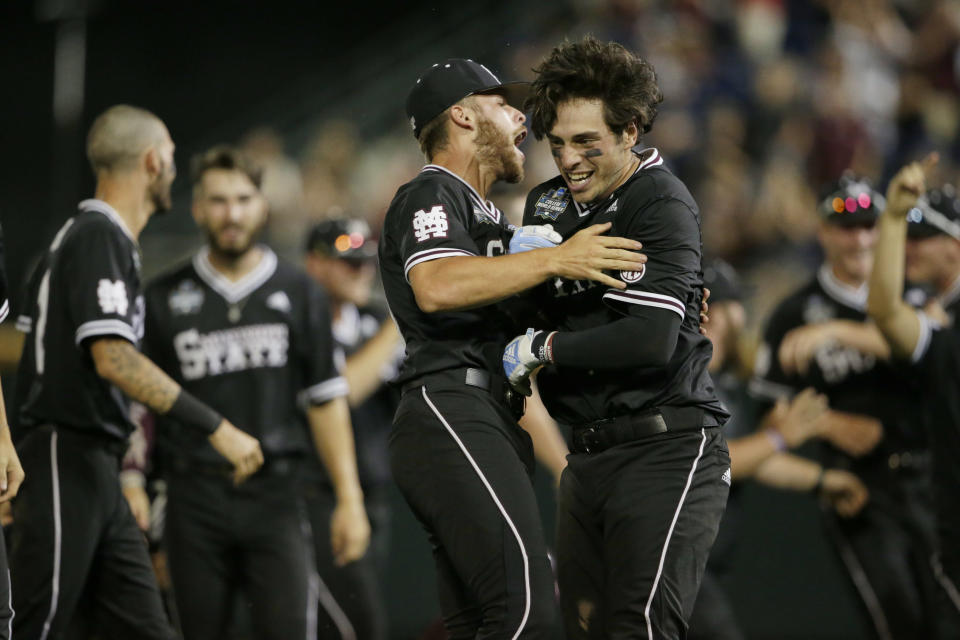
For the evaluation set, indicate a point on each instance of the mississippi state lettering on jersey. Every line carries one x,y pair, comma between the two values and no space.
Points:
654,207
86,286
853,381
438,215
257,350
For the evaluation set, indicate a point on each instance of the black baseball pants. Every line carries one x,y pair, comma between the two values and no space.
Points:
351,605
889,553
78,561
255,538
463,465
635,525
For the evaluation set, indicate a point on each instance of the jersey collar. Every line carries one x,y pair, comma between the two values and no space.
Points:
234,292
654,159
95,204
485,205
855,297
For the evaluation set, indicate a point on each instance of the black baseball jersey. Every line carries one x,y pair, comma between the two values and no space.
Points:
258,350
853,381
937,361
654,207
373,418
438,215
86,286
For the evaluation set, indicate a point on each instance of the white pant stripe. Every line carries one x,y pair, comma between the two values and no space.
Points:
503,512
666,543
57,538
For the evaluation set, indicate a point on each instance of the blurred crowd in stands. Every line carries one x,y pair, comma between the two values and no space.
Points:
765,101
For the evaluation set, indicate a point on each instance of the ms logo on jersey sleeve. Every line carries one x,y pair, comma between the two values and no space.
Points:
552,203
112,296
430,224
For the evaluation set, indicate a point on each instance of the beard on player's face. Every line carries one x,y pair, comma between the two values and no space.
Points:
231,240
159,190
496,150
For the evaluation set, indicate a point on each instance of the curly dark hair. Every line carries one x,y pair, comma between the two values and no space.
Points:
591,69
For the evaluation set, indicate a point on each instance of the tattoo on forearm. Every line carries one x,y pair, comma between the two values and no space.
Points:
135,375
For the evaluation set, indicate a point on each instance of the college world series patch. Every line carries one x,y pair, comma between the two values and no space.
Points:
552,203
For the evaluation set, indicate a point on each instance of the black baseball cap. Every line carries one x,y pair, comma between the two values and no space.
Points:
851,201
447,83
937,212
344,238
722,280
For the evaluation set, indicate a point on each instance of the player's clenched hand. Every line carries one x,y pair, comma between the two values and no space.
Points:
587,254
844,491
800,418
241,449
853,434
349,532
11,471
534,236
908,185
800,345
522,356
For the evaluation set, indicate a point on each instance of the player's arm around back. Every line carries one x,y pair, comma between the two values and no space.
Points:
118,362
464,282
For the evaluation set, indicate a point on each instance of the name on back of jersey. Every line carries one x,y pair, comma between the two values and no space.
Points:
230,350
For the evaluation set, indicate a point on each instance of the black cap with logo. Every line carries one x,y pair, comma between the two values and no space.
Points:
344,238
851,201
937,212
447,83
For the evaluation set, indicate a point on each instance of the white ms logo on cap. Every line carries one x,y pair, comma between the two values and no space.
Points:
633,276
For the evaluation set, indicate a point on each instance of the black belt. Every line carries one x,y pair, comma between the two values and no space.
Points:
498,386
599,436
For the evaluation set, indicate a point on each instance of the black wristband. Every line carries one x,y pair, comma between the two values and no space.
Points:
542,346
191,411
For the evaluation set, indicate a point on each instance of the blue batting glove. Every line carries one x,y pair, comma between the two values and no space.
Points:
534,236
523,355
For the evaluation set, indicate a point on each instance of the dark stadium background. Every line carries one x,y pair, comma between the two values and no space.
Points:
214,70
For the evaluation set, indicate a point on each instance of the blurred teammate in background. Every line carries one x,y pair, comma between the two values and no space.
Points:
251,335
757,450
74,534
923,230
819,337
341,257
